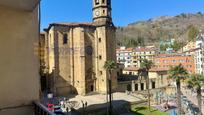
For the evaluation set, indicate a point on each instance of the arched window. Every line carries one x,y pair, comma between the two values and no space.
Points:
65,39
96,2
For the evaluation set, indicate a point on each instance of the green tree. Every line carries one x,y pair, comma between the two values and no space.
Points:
196,81
177,45
192,32
110,65
140,41
164,47
146,65
178,73
132,43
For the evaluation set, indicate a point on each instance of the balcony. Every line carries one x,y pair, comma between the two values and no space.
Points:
27,5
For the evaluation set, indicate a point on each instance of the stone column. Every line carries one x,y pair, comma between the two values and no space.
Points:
150,84
133,86
139,86
145,86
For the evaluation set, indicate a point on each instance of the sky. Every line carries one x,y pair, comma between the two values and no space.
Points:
123,11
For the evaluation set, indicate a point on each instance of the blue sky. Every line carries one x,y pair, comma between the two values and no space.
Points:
124,11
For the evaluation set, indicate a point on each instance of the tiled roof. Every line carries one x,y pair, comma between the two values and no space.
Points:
131,69
76,23
72,24
151,70
125,50
170,55
143,49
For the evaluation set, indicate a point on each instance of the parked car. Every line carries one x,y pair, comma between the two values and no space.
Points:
50,107
58,110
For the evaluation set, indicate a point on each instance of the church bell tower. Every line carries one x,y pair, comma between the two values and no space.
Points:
105,43
102,12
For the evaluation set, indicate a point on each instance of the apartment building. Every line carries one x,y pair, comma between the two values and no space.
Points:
142,53
165,61
124,56
199,54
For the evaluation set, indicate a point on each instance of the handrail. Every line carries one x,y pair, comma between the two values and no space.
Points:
41,109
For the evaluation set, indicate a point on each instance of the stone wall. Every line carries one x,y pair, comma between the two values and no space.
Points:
19,71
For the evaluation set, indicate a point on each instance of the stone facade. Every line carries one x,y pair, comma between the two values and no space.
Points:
77,52
158,79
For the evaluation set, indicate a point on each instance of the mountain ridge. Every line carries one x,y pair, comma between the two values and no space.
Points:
153,30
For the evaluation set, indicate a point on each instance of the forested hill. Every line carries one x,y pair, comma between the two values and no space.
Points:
182,27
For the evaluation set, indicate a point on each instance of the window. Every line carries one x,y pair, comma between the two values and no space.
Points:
96,2
103,1
101,72
100,41
103,11
153,85
65,39
100,57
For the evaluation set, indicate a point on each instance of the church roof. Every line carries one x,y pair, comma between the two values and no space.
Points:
75,24
72,24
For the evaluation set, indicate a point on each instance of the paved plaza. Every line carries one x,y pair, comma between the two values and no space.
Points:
99,100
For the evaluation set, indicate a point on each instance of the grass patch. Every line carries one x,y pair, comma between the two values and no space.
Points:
143,110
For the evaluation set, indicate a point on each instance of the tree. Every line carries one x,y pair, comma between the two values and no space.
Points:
178,73
132,43
140,41
163,47
177,45
192,32
196,81
110,65
146,65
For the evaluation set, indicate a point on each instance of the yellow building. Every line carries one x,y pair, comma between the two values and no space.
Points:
158,78
189,46
19,84
77,52
142,53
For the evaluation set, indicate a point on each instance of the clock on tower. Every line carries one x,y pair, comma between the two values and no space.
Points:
102,11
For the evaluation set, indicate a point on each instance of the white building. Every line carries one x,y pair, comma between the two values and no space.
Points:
124,56
199,54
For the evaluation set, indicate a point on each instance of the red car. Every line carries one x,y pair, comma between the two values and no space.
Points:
50,107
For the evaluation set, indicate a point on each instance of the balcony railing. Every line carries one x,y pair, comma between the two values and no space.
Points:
40,109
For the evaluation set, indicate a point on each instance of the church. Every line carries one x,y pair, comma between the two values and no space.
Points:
75,53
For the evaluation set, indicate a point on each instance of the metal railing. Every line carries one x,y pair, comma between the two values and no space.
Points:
40,109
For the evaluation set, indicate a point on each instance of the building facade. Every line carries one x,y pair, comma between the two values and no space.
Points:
189,46
158,78
20,80
142,53
77,53
124,56
165,61
199,54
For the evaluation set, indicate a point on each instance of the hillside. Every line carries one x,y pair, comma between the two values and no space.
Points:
161,28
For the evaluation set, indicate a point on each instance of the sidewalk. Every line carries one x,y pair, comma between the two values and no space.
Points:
193,99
